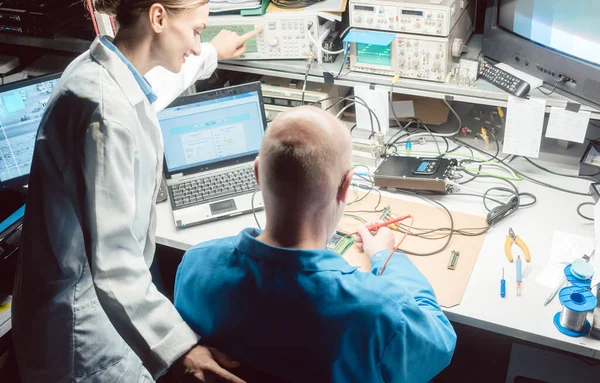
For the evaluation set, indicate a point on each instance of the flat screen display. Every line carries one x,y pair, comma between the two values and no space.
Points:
568,26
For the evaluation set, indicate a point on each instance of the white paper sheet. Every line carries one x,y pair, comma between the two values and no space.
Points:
378,101
524,126
566,248
566,125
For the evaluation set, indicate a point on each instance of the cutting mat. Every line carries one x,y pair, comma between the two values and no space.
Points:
449,285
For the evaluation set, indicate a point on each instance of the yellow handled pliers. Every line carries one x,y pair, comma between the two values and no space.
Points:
512,238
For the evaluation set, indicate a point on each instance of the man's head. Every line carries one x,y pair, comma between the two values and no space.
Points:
304,167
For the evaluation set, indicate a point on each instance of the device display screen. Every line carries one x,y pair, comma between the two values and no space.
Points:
413,13
211,31
563,25
427,167
374,54
363,8
280,101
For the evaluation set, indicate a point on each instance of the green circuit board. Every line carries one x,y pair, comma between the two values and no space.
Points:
339,243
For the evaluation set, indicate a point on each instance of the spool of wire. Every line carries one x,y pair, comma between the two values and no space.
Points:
577,302
579,273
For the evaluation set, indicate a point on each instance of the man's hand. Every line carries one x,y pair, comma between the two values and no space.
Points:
373,241
203,364
230,45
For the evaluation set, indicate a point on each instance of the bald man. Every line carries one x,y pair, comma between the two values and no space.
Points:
280,301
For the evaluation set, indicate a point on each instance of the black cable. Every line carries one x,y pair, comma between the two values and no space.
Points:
308,65
343,62
529,178
449,238
254,210
362,102
561,174
553,88
581,214
503,210
370,189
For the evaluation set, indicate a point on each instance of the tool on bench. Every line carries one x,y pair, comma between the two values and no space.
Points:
512,238
382,224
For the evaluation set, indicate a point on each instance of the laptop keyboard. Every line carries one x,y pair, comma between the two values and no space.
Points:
201,190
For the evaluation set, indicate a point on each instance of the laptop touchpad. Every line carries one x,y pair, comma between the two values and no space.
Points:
222,207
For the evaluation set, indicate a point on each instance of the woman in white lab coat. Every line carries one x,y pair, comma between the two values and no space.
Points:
84,307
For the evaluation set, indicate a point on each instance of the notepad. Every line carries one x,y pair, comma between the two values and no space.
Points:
524,126
566,125
378,101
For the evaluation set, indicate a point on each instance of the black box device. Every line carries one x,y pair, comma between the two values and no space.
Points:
413,173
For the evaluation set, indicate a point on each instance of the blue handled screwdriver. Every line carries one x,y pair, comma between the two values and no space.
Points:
503,285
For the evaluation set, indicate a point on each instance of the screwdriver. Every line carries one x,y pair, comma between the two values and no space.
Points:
503,285
519,275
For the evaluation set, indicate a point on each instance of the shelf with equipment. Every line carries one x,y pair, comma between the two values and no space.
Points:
66,44
482,93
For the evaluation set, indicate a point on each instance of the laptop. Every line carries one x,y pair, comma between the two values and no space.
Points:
211,140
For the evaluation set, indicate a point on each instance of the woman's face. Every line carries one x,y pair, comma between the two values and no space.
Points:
181,37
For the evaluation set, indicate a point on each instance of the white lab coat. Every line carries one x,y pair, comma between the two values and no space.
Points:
94,179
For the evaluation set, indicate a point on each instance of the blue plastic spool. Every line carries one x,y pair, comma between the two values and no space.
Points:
577,299
579,274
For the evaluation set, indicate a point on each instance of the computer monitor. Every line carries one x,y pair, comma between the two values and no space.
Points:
550,39
22,106
213,129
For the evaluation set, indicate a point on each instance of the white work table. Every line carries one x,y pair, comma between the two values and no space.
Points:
523,317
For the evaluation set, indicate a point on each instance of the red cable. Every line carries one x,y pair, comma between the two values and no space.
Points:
412,220
113,25
93,16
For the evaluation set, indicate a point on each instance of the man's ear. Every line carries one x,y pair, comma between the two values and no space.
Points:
157,15
345,186
256,170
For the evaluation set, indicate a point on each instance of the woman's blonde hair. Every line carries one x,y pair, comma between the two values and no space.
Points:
127,11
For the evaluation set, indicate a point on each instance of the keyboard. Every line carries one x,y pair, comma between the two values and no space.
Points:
217,186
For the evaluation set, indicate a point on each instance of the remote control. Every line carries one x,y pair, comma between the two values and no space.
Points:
504,80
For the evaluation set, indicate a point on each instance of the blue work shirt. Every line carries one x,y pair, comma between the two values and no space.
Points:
144,85
309,316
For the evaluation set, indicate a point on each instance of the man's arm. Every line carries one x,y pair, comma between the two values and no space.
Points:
145,319
424,341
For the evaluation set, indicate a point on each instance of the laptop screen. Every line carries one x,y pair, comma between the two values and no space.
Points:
212,130
21,108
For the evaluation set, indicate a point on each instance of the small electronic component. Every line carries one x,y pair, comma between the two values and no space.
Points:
339,242
453,260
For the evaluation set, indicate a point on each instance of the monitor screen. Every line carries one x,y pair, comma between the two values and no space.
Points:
214,130
21,108
569,26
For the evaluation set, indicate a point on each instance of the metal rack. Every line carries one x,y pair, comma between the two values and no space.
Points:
482,93
67,44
